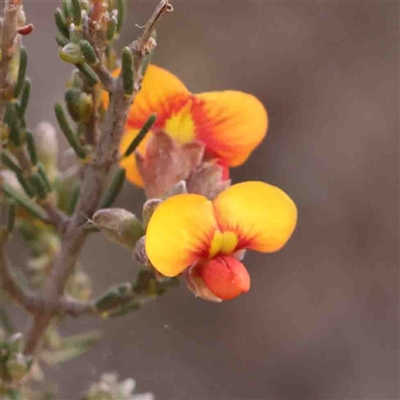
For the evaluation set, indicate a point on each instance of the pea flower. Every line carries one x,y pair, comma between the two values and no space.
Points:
203,239
230,124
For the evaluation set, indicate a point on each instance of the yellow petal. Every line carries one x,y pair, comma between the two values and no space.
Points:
129,163
262,215
180,232
162,93
231,124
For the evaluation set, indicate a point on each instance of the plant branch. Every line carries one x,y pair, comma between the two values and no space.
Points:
8,35
105,77
105,156
10,284
31,301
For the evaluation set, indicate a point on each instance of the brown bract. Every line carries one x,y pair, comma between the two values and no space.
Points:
207,179
167,162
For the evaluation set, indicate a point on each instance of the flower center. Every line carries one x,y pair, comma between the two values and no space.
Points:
181,126
223,243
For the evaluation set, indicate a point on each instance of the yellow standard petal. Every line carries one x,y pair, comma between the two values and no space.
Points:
161,93
231,124
180,232
262,215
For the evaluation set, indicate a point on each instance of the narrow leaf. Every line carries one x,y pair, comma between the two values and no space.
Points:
89,74
88,52
30,143
24,201
127,71
72,97
66,8
76,12
44,176
141,135
25,94
121,14
114,189
61,39
9,162
125,309
25,184
13,121
67,130
23,62
111,28
61,22
38,184
85,340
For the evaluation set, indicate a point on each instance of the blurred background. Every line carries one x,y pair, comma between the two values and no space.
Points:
321,319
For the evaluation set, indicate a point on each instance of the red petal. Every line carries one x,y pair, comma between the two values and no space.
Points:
226,277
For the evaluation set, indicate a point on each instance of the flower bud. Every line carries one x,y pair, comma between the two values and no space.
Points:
10,179
139,252
25,30
148,209
208,180
71,53
119,225
223,277
179,188
176,161
46,144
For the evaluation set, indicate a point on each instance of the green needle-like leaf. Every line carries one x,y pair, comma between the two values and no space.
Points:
9,162
61,22
121,14
114,189
24,201
127,71
67,130
141,135
88,52
30,144
23,62
24,100
76,12
89,74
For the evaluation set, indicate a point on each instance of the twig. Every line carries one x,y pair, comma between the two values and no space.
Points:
22,296
31,301
8,34
93,184
147,288
105,77
163,7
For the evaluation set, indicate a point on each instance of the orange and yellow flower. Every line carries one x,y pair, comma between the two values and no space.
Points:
231,124
188,230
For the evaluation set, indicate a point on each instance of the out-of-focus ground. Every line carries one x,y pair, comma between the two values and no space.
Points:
321,319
